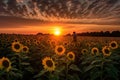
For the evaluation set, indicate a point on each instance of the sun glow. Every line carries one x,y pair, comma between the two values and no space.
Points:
57,31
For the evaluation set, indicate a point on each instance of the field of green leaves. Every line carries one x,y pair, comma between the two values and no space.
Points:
38,57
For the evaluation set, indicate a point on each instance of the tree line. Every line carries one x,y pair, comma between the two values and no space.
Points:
101,33
96,34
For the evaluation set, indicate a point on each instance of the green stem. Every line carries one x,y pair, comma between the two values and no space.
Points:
102,68
50,75
102,71
67,71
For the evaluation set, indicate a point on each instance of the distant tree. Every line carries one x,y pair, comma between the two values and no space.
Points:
115,33
39,34
107,33
68,34
101,33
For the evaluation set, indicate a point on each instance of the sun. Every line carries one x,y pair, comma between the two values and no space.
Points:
57,31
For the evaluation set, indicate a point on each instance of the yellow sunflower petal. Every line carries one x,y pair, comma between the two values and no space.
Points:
16,46
25,49
59,50
113,45
106,51
5,64
95,51
71,56
48,64
84,51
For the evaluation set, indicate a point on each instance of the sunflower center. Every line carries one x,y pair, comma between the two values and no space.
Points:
24,49
113,44
84,51
70,56
28,41
95,51
49,63
17,46
5,63
16,40
59,49
65,43
107,51
53,42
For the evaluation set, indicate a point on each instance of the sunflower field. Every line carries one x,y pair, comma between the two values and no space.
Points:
45,57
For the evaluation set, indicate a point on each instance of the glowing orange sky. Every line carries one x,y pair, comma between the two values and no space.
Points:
27,26
66,28
41,16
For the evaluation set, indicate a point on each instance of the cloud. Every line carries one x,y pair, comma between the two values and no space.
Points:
16,22
10,24
32,16
64,10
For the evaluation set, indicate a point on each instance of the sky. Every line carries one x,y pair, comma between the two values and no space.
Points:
33,16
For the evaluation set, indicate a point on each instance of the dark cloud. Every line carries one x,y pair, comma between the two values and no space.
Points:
23,13
16,22
57,10
112,1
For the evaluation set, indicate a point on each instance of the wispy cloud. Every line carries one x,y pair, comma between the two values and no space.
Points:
80,15
87,11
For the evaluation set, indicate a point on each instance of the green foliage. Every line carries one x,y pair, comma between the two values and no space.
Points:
28,66
74,67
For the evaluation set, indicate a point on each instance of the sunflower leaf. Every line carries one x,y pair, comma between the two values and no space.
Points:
14,69
73,77
90,67
95,61
74,67
54,77
59,69
42,72
25,64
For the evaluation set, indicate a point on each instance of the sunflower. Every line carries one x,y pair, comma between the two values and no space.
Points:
106,51
52,43
25,49
5,64
113,45
84,51
71,56
88,44
95,51
65,43
36,42
16,40
28,42
48,64
16,46
59,50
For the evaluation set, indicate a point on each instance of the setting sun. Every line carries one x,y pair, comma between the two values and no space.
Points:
57,31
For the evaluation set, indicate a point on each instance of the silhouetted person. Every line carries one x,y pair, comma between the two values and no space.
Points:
74,37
